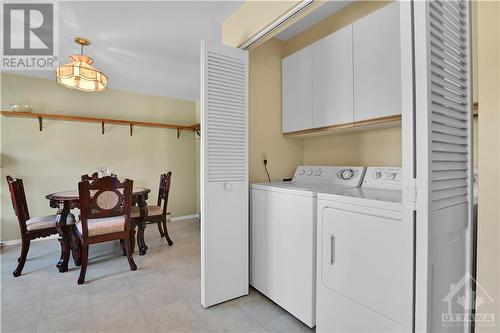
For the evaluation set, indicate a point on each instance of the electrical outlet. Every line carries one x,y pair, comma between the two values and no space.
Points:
263,156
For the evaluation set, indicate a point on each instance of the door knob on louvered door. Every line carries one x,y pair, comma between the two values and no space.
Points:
228,186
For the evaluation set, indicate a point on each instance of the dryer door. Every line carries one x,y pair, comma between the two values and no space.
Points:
364,261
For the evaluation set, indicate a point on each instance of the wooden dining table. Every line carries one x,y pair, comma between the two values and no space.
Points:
65,201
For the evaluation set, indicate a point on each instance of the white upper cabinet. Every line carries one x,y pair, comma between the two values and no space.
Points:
297,91
377,64
333,79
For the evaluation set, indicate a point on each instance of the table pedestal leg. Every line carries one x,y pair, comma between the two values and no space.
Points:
141,226
75,245
140,239
64,237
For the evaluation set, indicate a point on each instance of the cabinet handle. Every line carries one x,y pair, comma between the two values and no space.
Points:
332,249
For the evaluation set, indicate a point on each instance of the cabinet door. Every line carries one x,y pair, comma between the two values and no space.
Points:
333,79
377,64
297,91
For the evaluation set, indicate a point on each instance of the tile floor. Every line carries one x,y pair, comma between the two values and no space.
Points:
163,295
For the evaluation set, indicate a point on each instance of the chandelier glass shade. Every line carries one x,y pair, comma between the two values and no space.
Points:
80,74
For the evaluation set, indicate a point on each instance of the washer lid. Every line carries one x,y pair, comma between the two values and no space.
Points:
285,187
310,188
368,196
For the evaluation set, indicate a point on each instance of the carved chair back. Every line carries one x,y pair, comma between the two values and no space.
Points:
90,178
93,177
19,202
164,190
105,197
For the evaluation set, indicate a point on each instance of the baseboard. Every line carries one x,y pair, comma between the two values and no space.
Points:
185,217
18,241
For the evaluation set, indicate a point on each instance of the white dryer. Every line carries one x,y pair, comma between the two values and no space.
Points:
283,235
365,257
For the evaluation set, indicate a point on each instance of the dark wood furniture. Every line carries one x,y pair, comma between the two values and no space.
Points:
90,178
31,228
154,214
65,201
93,177
104,216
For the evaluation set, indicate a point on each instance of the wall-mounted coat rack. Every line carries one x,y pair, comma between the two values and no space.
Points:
131,123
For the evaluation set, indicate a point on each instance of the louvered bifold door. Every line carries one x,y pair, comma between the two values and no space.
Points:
444,164
224,178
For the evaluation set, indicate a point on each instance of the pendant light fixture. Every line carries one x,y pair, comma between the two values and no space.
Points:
80,74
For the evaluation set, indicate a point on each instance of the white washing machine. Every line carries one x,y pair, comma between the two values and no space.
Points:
283,235
365,257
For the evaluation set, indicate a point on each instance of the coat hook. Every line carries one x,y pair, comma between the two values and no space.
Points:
102,127
179,133
131,129
40,123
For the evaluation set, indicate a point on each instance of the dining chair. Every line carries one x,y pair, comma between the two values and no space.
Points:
156,214
104,216
31,228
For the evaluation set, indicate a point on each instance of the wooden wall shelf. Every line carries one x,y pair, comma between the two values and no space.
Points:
102,121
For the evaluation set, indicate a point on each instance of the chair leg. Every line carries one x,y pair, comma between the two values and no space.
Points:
132,239
160,229
165,230
25,246
84,262
128,249
122,243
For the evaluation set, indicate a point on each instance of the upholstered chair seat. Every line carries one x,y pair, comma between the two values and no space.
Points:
151,211
102,226
43,222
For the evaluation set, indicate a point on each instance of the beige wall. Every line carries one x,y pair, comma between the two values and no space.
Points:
488,275
381,147
265,137
54,159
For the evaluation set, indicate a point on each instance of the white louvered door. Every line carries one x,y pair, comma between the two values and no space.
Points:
224,178
443,160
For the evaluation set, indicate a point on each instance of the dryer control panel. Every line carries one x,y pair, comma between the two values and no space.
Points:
341,175
383,177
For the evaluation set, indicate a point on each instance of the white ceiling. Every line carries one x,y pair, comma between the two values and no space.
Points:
316,16
147,47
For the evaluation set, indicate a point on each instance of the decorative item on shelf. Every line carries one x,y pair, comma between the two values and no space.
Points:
80,74
23,107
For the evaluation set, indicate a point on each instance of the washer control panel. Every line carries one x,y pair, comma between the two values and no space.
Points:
385,177
345,175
